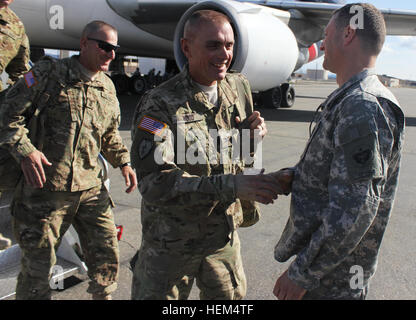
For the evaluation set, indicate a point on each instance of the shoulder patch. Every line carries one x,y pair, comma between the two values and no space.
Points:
30,79
152,125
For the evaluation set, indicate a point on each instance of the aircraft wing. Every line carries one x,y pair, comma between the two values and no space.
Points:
307,19
398,22
153,28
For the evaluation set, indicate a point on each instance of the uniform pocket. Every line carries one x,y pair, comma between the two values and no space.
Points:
361,151
9,34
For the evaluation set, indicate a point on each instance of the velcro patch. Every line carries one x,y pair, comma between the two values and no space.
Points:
152,125
30,79
362,158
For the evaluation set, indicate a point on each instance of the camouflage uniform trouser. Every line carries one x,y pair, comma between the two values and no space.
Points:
163,273
41,218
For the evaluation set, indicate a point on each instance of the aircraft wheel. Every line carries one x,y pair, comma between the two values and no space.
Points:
121,82
36,54
272,98
138,85
288,95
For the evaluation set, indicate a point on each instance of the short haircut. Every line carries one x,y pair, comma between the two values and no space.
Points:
201,17
373,32
94,27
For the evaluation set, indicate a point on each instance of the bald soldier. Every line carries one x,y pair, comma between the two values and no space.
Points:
14,59
62,182
191,209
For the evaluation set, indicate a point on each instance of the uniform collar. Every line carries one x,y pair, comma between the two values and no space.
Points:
226,95
76,75
352,81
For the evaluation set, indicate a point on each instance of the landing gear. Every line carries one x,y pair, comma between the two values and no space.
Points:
272,98
288,95
138,84
281,96
36,54
121,82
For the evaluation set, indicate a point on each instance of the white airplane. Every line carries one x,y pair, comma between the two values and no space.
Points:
274,38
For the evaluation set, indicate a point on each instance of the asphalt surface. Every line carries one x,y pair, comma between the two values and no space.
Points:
282,147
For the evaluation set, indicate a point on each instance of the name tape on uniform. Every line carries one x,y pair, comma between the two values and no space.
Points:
152,125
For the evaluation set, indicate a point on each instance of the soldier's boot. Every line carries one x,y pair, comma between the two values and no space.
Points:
4,242
97,296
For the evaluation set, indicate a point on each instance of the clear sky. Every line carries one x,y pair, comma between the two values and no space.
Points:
397,58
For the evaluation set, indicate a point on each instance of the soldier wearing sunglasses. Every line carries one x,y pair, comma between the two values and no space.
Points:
62,183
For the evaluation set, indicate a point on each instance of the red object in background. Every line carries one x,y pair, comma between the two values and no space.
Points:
313,52
119,231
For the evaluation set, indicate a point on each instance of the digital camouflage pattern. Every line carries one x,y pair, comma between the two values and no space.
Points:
41,218
189,210
343,190
80,121
14,46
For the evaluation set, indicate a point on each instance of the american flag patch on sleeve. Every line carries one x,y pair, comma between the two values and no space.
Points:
152,125
30,79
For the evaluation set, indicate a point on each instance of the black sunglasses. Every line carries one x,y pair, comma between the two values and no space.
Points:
107,47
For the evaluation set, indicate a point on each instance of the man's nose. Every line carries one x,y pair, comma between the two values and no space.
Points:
224,53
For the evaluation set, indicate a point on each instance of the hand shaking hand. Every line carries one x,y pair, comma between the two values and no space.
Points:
284,178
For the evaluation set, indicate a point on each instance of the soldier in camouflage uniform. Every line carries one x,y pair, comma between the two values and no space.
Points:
345,182
14,59
191,209
63,183
14,44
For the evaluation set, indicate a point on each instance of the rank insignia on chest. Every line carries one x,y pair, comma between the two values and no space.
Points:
152,125
30,79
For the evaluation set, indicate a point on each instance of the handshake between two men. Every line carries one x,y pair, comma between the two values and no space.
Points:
264,188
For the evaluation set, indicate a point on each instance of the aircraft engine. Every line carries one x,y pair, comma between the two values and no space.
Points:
265,51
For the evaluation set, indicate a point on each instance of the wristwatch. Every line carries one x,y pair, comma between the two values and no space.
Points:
125,164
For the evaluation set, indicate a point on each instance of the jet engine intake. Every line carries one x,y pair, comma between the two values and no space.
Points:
265,51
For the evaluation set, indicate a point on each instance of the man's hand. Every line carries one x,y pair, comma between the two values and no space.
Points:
286,289
32,167
254,121
130,178
261,188
284,178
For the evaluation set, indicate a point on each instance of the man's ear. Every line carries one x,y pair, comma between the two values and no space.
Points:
185,47
83,43
349,35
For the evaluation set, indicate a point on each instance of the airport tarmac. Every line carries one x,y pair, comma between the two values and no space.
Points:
284,143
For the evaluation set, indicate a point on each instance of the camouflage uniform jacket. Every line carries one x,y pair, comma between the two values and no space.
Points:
80,120
14,46
182,196
344,186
